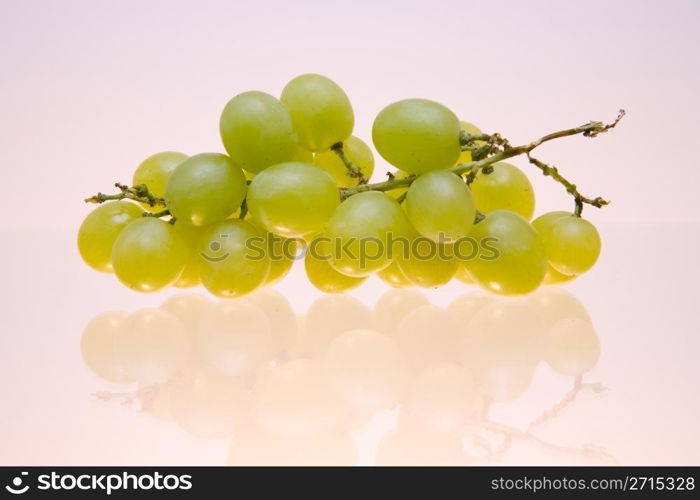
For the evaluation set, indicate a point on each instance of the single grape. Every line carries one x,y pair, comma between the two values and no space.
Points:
572,245
292,199
357,152
257,131
506,187
321,112
233,258
99,230
155,171
440,206
427,264
399,191
191,235
393,276
303,155
470,128
417,135
544,222
324,277
463,275
554,277
363,231
512,259
149,254
205,189
282,252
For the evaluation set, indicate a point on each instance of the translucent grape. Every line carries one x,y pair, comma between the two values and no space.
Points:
321,112
572,245
234,259
324,277
205,189
191,235
149,254
99,230
155,171
428,264
292,199
440,206
554,277
470,128
393,276
304,156
462,275
363,229
542,225
505,188
282,253
512,260
399,191
417,135
257,131
357,152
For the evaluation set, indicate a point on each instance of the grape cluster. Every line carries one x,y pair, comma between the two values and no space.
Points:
295,178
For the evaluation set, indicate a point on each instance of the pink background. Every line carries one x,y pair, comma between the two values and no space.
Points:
89,89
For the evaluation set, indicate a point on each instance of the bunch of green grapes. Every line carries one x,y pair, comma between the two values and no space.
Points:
294,184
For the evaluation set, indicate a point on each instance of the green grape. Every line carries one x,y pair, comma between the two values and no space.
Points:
393,276
324,277
554,277
303,156
155,171
572,245
470,128
428,264
417,135
205,189
149,254
544,222
440,206
282,253
292,199
257,131
233,258
357,152
463,275
505,188
364,230
396,193
321,112
191,235
99,230
512,259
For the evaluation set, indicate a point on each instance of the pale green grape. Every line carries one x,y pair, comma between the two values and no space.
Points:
191,235
572,245
399,191
363,229
155,171
440,206
470,128
554,277
281,252
393,276
303,155
357,152
99,230
233,258
149,254
512,259
257,131
428,264
504,188
292,199
204,189
463,275
542,225
324,277
321,112
417,135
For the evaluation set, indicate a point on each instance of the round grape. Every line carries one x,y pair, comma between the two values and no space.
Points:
506,187
191,235
321,112
257,131
470,128
357,152
572,245
417,135
205,189
393,276
324,277
427,264
155,171
149,254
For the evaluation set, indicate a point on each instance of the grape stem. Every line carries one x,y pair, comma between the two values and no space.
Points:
353,170
138,193
497,148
